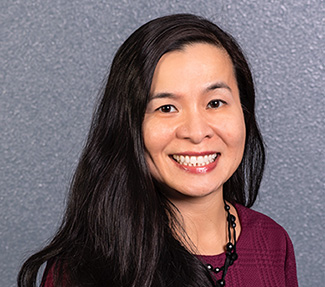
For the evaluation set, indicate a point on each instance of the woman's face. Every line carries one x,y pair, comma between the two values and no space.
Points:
194,130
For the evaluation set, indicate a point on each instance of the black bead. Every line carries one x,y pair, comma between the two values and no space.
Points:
231,254
222,282
230,246
234,256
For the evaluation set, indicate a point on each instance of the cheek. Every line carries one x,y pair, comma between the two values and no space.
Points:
150,151
235,133
240,135
154,148
153,145
151,165
156,137
232,127
151,141
239,140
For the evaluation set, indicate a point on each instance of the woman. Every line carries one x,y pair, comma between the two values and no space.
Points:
173,159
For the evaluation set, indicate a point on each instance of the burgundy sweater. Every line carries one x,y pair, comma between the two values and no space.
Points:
265,254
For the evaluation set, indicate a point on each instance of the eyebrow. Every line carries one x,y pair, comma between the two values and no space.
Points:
163,96
214,86
219,85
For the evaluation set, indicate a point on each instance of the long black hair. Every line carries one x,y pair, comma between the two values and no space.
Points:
118,225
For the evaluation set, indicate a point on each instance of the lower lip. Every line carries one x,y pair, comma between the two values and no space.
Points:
198,169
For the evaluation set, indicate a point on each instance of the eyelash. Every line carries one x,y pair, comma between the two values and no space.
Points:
168,107
218,104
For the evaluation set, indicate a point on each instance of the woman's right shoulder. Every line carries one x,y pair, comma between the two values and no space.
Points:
54,276
47,280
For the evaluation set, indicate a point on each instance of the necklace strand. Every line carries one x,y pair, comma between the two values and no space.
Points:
231,254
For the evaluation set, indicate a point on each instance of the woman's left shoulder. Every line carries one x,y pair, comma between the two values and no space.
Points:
259,224
266,245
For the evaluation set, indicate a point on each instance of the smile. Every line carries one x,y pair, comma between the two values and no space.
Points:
187,160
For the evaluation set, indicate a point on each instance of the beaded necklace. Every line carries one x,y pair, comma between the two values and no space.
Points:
231,254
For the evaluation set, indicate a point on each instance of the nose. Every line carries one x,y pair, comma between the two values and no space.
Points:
194,127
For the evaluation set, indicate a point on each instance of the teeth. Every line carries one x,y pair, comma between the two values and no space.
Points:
195,160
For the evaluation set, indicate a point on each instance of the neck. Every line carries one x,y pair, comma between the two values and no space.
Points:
204,222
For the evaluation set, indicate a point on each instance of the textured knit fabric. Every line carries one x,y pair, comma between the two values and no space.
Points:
265,254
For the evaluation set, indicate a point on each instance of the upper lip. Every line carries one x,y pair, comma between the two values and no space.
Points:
192,153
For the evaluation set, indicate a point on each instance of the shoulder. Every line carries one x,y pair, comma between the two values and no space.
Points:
266,246
54,275
252,219
259,228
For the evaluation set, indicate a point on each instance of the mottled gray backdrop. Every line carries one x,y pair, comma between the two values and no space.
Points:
54,57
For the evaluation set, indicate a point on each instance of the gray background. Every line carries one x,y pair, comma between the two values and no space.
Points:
54,57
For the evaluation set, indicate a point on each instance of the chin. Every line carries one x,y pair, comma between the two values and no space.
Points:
194,192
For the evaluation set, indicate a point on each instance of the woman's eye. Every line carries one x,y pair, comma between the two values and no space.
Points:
215,104
167,109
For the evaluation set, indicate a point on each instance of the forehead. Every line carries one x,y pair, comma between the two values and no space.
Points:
194,64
